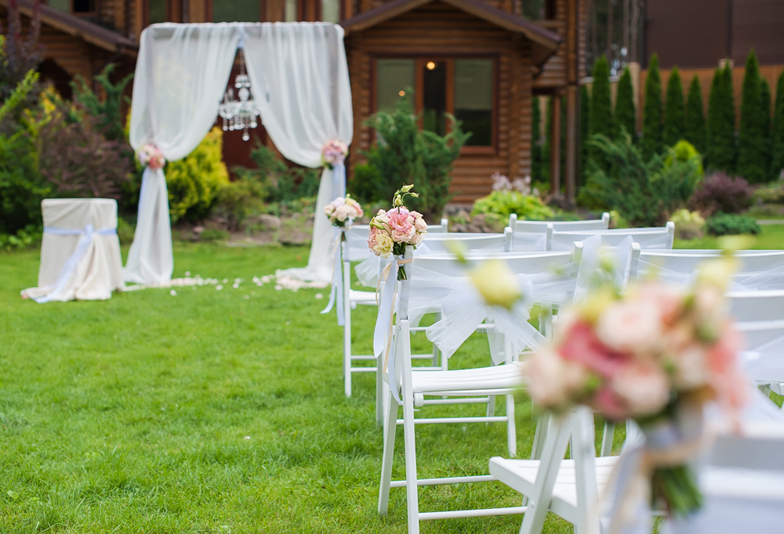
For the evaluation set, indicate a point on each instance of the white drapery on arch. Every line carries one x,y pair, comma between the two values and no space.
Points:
298,76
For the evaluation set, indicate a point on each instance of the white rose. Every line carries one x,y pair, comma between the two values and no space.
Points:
630,327
383,244
342,212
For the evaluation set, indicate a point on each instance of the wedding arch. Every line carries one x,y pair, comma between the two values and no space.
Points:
299,80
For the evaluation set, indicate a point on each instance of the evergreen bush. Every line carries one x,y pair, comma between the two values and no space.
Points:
674,115
585,132
195,180
405,154
505,202
625,112
651,143
766,132
694,125
536,141
777,135
720,152
751,137
731,224
107,110
601,104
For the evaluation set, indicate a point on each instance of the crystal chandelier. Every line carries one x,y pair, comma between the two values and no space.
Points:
239,114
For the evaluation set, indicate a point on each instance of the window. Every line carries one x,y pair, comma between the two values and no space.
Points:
330,10
83,6
156,11
236,11
291,14
464,87
62,5
539,9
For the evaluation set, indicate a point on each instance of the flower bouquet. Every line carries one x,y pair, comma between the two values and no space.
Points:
655,354
334,153
341,210
391,231
151,156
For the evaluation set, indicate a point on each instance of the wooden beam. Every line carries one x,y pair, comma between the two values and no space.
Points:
555,145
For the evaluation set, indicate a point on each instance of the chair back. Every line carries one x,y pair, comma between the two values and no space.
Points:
753,306
438,228
540,227
439,243
658,238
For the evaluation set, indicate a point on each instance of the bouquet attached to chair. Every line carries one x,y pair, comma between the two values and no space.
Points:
341,212
391,231
656,354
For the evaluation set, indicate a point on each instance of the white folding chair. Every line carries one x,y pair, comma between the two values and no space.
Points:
355,249
414,385
532,235
658,238
742,485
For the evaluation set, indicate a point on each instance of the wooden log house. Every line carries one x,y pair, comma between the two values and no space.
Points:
480,60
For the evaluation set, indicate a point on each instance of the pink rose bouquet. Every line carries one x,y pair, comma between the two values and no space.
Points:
334,153
341,210
392,230
151,156
652,354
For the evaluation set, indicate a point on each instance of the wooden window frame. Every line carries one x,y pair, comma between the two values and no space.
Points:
420,61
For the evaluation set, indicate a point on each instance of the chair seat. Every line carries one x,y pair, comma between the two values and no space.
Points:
362,297
507,376
520,475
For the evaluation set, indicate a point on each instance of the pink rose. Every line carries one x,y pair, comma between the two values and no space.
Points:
608,405
400,219
667,300
399,236
642,386
630,326
580,344
551,380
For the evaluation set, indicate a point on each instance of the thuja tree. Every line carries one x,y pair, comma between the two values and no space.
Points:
674,118
766,146
694,123
108,110
585,131
651,143
720,150
536,141
777,148
409,155
750,136
625,112
601,106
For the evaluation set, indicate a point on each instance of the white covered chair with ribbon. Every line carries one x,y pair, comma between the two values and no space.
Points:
648,238
80,252
532,235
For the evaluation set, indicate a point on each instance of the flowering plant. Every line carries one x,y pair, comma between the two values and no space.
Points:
391,231
652,354
342,209
151,156
334,153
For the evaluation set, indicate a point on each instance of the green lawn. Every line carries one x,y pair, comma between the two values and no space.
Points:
214,411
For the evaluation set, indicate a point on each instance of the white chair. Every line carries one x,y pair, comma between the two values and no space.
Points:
414,385
355,249
659,238
742,485
532,235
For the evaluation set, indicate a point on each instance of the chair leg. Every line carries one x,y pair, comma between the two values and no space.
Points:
607,438
390,426
490,407
540,436
511,428
412,490
380,391
347,328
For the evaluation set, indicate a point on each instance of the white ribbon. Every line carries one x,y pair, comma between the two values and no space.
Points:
383,341
339,180
73,260
336,293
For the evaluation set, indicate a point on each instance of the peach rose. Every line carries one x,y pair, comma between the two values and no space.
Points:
630,326
642,386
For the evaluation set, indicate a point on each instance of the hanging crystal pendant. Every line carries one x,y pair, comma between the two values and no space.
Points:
239,114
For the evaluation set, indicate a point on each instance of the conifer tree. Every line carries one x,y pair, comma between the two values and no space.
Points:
720,151
585,131
777,142
536,137
694,125
750,136
651,143
673,111
601,101
625,112
548,135
766,146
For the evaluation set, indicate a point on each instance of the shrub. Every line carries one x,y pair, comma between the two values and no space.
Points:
505,202
601,108
688,224
731,223
720,152
238,200
404,154
751,137
195,180
694,126
684,151
26,237
652,118
585,132
720,192
770,194
645,192
625,113
673,111
777,142
766,132
107,110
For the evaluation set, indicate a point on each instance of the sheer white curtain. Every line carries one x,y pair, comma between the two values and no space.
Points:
181,74
299,77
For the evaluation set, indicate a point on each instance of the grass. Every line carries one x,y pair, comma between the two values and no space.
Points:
214,412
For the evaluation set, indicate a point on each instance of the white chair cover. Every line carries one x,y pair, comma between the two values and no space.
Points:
299,78
80,252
